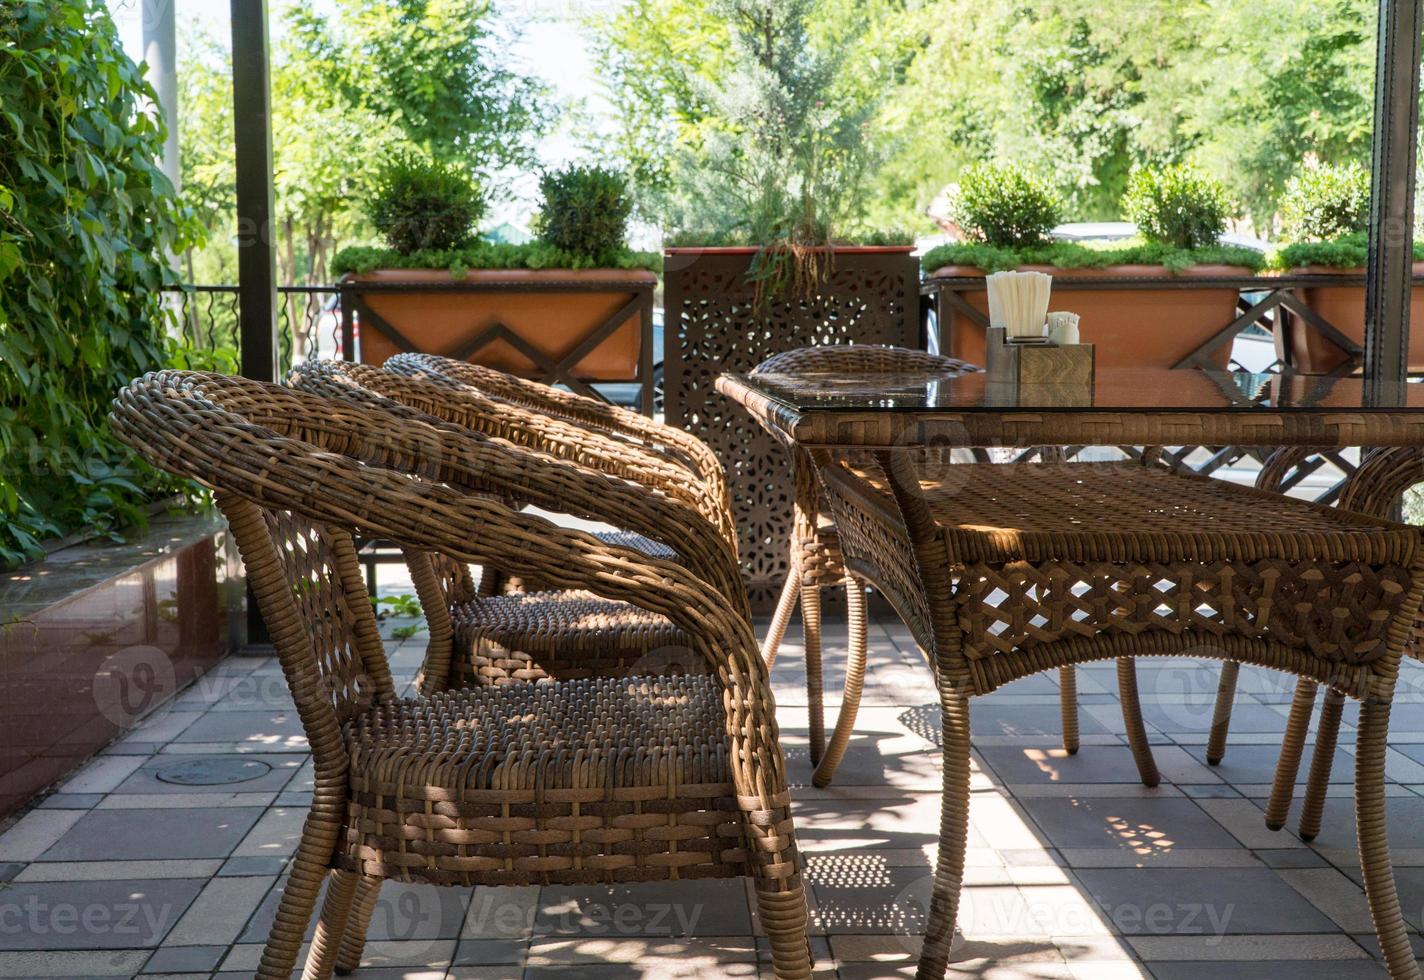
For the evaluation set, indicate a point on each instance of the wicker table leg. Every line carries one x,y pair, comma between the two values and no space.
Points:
854,684
953,837
1320,763
815,707
785,606
1068,707
1132,720
1292,745
1221,716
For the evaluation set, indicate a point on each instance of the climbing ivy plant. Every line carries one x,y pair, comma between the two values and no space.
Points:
86,220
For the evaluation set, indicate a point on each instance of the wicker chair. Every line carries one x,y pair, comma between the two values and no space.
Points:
816,563
1008,570
586,781
496,638
1376,487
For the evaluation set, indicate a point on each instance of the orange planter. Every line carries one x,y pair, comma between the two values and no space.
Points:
1151,326
1344,308
518,320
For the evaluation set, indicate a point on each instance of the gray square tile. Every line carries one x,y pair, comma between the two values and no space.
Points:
124,914
1143,826
185,959
203,832
275,730
688,908
1179,902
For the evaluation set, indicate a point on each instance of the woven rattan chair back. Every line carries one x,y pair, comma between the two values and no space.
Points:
574,407
679,514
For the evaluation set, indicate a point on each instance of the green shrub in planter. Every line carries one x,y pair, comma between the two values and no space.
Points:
1178,206
585,210
418,204
1327,202
1005,207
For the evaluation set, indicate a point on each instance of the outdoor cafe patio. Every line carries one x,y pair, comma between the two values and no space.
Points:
788,609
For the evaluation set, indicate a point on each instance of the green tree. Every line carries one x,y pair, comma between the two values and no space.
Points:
749,117
86,221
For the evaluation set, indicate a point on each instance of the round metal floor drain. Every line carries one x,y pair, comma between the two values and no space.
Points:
213,772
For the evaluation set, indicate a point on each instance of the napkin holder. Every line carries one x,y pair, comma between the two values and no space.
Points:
1034,372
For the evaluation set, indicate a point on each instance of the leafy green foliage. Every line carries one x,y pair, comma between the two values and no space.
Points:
86,217
1327,202
353,83
1177,205
421,204
361,259
585,210
747,120
405,605
1005,207
1345,252
1081,255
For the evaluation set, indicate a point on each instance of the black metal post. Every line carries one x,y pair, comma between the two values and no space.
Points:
256,257
252,137
1391,248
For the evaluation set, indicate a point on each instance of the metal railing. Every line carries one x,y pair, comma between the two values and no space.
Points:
308,320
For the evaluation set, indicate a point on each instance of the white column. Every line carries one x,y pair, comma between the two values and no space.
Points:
160,51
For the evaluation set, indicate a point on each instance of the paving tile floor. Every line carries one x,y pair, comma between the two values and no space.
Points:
1074,869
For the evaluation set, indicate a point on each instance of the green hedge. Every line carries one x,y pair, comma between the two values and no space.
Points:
1348,252
362,259
1077,255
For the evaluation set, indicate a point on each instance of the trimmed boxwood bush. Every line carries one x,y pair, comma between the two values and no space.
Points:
419,204
1327,202
585,210
1004,206
1177,205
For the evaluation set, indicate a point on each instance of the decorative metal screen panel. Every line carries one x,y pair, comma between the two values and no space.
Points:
872,297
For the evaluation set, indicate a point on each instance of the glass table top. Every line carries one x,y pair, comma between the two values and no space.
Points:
1112,390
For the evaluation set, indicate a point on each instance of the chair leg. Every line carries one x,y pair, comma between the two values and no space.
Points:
782,914
953,839
330,926
1293,744
1373,837
310,868
1221,716
785,606
815,707
353,940
1068,707
854,684
1321,762
1132,720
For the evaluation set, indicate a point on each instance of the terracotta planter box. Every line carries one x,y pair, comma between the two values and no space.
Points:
1151,325
872,297
100,635
553,325
1344,307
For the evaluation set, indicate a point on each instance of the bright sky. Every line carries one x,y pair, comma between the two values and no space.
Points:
553,46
